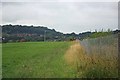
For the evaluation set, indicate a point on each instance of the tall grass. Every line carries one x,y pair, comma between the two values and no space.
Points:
95,57
99,45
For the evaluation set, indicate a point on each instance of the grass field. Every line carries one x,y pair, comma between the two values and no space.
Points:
36,60
88,58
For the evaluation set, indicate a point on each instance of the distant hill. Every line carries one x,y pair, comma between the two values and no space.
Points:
21,33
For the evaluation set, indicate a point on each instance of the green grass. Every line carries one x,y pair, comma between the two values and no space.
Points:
35,60
96,58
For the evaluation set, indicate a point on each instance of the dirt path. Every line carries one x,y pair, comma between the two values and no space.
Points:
75,57
73,54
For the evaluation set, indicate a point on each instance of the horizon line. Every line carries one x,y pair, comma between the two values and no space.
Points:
33,25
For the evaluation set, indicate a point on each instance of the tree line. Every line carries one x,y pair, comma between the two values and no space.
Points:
24,33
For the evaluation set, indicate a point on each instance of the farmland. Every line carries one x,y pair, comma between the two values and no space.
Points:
35,59
87,58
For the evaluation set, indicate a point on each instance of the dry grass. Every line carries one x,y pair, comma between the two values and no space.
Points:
73,53
75,56
92,65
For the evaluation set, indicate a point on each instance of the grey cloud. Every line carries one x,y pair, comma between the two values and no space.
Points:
62,16
60,0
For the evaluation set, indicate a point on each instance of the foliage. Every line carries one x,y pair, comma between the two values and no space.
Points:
16,33
100,34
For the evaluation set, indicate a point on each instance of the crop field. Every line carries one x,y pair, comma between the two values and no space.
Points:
84,59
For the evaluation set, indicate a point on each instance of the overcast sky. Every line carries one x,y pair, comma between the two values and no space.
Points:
62,16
